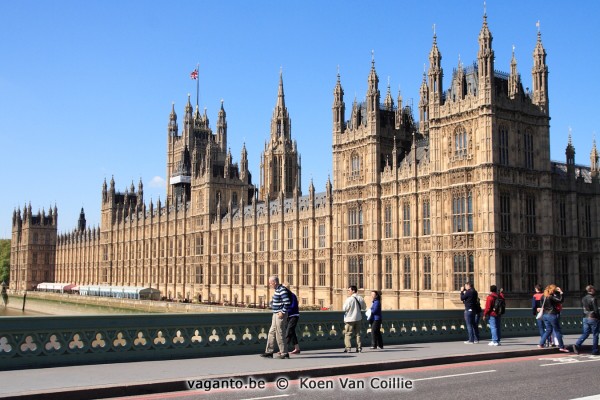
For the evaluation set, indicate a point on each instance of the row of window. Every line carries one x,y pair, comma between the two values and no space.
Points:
530,274
463,270
236,276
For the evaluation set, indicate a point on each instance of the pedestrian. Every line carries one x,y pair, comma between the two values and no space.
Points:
470,298
494,308
293,317
551,304
375,320
590,320
536,306
280,304
353,307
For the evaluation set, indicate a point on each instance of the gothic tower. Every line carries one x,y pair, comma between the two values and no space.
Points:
33,248
280,162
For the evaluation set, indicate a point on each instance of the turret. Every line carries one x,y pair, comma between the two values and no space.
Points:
222,128
435,74
594,160
104,192
388,103
373,97
244,165
140,193
485,63
514,79
539,74
424,107
339,107
172,127
81,222
398,116
570,154
187,119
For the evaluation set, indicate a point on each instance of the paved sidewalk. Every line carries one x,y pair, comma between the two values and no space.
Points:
121,379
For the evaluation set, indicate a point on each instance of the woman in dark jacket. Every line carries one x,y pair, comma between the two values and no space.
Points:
375,321
552,303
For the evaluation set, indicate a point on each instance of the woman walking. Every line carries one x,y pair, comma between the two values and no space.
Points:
552,304
375,321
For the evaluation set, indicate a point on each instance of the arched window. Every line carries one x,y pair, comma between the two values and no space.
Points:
460,142
503,142
355,164
528,145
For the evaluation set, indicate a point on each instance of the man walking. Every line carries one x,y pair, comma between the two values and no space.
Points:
590,320
353,306
279,305
469,296
493,311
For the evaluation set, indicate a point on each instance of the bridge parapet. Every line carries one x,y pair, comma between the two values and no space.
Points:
46,341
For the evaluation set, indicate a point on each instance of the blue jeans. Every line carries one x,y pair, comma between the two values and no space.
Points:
552,327
590,325
495,328
472,320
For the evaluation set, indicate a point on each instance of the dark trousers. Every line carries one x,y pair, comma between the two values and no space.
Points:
290,334
376,338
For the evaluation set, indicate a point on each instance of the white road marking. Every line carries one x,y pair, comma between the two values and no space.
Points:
567,360
452,376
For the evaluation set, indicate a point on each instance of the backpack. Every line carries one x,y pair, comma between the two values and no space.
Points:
499,306
477,307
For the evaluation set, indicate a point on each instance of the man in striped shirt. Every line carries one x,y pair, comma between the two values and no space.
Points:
279,305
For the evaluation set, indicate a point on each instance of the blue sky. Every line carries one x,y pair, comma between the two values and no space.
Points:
86,86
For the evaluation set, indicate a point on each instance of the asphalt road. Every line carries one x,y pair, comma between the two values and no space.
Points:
556,376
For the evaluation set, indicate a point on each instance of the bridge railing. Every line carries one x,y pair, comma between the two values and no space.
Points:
44,341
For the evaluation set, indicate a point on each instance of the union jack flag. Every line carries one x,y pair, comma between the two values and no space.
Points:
194,74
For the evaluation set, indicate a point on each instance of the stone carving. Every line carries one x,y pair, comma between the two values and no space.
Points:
30,345
120,340
140,340
99,341
53,344
178,338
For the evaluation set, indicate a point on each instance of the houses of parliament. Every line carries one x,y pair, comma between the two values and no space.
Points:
416,205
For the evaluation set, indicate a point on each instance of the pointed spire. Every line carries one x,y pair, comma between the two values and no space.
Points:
280,93
570,150
373,78
388,103
594,158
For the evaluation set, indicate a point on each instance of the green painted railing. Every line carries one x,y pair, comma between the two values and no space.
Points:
44,341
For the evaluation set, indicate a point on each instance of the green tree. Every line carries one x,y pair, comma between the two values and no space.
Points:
4,260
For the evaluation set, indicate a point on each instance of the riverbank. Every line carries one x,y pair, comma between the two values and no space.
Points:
72,304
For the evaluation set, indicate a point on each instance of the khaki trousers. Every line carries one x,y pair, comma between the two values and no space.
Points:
277,333
350,329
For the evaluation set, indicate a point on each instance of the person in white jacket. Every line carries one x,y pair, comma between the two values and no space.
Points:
353,307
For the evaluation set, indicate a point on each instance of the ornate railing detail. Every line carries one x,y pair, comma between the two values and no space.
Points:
69,340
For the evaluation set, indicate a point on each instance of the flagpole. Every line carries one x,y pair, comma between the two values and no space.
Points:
197,84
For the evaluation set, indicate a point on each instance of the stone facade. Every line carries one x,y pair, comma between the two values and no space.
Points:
467,192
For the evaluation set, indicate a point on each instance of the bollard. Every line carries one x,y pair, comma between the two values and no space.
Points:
24,299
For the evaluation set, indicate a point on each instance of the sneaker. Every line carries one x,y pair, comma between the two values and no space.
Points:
476,342
491,344
359,349
347,350
539,346
267,355
564,350
575,349
595,353
467,342
495,344
284,355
